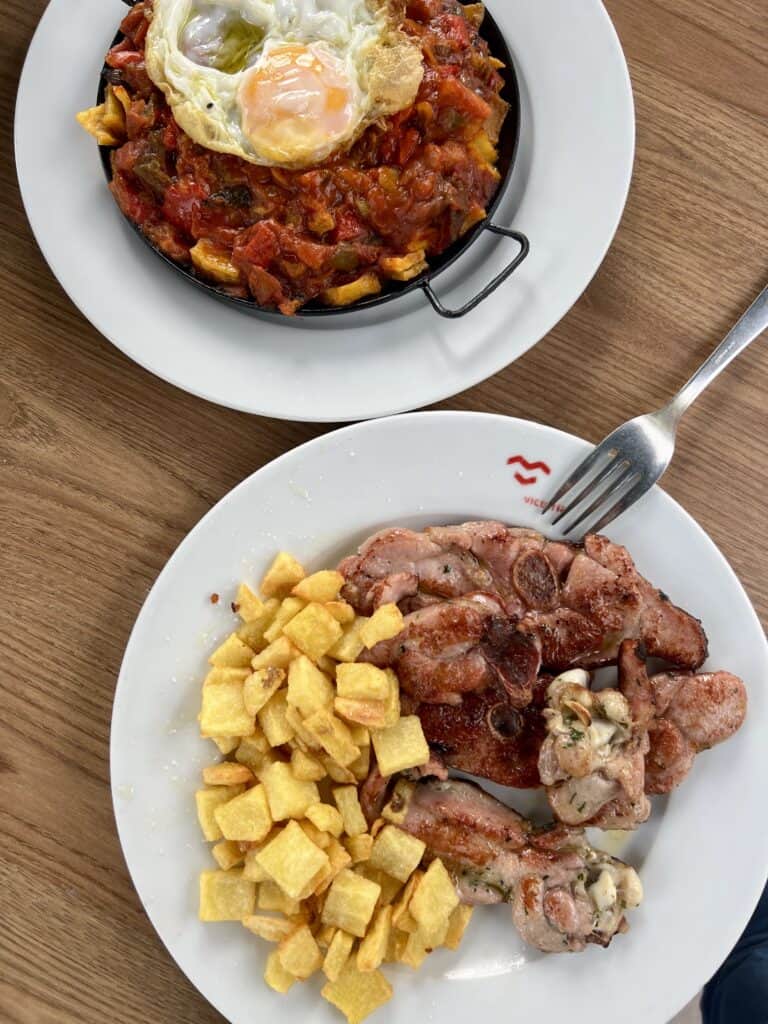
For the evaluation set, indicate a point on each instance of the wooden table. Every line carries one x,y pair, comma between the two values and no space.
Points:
104,469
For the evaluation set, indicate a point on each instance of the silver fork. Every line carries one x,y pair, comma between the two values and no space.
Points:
634,457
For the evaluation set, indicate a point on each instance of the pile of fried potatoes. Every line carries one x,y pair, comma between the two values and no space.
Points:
296,717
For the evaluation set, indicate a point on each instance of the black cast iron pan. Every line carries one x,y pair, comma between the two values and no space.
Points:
393,290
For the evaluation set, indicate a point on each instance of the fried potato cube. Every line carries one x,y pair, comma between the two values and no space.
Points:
433,902
326,818
279,654
252,631
484,149
252,751
246,818
357,995
226,744
273,721
361,737
302,737
276,976
350,902
348,803
324,935
260,687
333,736
233,653
228,855
271,897
396,947
252,870
249,607
320,586
305,767
122,95
314,630
225,896
339,859
390,887
385,623
397,853
223,711
457,925
362,682
284,573
93,122
346,294
207,800
338,953
273,929
341,611
288,797
214,261
318,837
401,915
289,608
336,772
349,645
415,952
358,847
227,773
373,948
113,117
309,689
372,714
401,746
393,700
408,275
361,766
299,953
293,862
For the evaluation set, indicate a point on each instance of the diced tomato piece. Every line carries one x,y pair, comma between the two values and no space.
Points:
181,204
456,95
408,145
136,206
348,226
456,29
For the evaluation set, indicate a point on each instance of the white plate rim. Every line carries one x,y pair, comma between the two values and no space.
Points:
746,900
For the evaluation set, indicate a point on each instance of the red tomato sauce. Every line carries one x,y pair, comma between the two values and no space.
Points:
415,181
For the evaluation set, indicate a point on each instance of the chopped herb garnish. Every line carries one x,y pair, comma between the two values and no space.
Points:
581,807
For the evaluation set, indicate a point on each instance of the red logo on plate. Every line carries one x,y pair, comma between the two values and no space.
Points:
532,467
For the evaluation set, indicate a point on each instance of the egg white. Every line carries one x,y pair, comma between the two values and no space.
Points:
383,66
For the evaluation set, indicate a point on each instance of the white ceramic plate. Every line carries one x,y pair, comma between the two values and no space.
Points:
567,193
702,856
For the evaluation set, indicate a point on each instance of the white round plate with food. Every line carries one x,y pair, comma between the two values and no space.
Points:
567,194
320,502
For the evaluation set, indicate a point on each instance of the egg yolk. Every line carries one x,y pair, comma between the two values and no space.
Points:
296,99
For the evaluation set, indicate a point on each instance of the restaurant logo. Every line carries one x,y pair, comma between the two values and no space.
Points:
532,468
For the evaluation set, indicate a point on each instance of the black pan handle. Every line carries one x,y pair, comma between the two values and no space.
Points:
490,288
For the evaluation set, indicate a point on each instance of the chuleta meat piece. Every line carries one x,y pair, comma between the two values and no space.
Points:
564,893
592,762
684,714
576,603
489,609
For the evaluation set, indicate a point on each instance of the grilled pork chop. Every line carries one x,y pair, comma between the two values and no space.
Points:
487,607
683,713
576,603
564,894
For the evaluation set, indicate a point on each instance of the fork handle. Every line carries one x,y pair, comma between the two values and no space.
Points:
744,332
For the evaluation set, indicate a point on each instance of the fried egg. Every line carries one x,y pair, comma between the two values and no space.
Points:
281,82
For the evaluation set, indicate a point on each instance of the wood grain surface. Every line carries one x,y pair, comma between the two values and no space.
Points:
104,469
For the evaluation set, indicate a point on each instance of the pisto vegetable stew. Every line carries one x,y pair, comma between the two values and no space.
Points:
408,188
